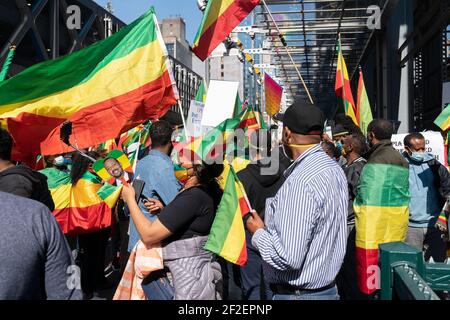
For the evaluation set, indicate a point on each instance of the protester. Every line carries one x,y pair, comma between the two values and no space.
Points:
303,240
36,263
19,179
93,244
380,205
259,185
429,184
183,227
157,171
354,146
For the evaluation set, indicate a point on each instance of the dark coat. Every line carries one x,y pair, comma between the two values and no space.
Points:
23,182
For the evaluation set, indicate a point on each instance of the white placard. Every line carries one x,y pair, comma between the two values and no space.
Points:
434,144
194,121
220,102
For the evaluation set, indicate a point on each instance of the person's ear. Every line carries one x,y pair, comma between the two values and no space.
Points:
287,134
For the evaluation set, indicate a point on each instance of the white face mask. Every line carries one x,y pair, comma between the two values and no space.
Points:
59,161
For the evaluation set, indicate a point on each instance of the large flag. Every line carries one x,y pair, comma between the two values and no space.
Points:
227,235
382,214
274,94
342,87
104,90
219,20
78,208
443,121
363,111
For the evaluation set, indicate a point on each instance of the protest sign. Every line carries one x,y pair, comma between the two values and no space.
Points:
194,121
220,102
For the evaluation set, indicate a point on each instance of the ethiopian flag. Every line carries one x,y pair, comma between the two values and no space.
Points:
443,121
78,208
342,87
363,110
382,214
219,20
104,90
227,235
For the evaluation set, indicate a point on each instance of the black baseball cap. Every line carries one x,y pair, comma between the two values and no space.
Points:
304,118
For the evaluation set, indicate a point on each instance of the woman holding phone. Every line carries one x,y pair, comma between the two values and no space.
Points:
182,228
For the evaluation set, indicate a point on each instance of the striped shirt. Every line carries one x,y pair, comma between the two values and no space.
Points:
304,241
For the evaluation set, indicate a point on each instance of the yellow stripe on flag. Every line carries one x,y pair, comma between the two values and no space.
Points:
377,225
67,102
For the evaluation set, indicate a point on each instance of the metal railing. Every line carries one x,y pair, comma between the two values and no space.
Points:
406,276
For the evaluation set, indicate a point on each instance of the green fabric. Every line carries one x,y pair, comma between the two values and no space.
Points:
54,76
224,216
383,185
7,64
55,177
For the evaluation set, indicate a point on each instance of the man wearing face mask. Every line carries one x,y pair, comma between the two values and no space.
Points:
429,184
303,239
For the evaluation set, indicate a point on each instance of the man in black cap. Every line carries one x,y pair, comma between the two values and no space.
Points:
304,237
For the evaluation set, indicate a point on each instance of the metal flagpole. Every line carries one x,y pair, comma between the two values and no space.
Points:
280,35
184,120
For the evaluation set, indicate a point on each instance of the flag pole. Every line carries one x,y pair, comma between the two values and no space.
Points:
341,58
283,41
240,187
184,120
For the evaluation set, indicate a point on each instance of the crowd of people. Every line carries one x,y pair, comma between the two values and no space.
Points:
300,238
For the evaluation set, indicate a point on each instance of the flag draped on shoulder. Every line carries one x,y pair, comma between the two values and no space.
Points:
381,212
363,110
78,208
219,20
342,86
104,90
227,235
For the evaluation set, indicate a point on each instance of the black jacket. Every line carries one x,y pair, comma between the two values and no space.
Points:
353,172
23,182
441,179
260,187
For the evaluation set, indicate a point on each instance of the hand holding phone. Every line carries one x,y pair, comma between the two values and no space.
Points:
153,206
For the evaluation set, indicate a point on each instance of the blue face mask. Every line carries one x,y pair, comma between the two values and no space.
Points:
59,161
339,146
418,156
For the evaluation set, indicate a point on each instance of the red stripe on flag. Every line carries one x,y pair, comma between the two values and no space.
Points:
223,26
116,115
367,270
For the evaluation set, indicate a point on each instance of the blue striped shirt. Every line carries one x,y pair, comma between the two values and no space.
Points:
304,241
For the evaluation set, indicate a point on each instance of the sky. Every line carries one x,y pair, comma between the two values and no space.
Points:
129,10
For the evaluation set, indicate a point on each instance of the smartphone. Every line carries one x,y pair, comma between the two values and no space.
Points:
138,186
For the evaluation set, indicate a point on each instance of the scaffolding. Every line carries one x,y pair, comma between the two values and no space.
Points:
311,29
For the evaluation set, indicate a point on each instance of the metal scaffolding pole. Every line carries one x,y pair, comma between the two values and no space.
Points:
287,51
